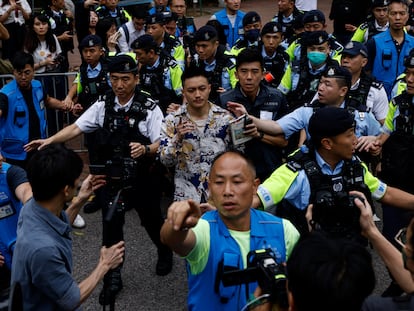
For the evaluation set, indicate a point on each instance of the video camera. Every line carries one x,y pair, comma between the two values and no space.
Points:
336,214
262,268
119,171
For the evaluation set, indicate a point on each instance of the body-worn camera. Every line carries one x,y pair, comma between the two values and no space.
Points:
336,214
119,171
263,269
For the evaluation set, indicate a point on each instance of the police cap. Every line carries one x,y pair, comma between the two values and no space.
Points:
271,27
329,122
90,41
314,16
354,48
251,18
339,72
205,33
409,59
144,42
157,18
379,3
315,37
122,63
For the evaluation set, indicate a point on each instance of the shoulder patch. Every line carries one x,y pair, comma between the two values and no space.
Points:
364,26
376,84
293,166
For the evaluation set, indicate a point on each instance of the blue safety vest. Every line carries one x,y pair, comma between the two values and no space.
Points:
14,129
9,214
206,290
232,34
388,64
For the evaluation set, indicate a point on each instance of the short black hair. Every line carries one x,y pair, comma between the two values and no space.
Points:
51,169
328,274
249,55
21,59
192,71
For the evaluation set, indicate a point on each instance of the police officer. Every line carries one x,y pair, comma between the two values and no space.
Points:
130,122
159,74
300,81
365,90
252,24
274,55
377,23
333,87
211,57
167,43
397,140
313,21
385,57
263,102
328,165
111,10
287,15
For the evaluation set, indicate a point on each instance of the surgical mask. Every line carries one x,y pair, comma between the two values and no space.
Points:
252,35
316,58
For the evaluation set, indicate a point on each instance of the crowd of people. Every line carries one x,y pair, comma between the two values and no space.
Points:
272,138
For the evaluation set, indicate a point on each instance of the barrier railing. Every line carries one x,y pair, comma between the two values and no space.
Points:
56,85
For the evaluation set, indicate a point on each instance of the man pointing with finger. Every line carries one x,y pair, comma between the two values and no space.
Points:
222,238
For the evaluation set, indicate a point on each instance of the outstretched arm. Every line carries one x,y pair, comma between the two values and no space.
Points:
176,231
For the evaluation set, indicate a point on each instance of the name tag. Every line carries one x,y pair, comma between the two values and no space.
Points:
6,211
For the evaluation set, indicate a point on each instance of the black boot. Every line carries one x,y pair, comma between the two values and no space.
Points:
112,286
164,262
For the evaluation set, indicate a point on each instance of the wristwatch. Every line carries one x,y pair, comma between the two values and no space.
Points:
147,149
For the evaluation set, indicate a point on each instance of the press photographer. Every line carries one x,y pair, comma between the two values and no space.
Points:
128,124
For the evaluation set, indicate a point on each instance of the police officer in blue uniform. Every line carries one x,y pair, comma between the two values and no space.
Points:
129,124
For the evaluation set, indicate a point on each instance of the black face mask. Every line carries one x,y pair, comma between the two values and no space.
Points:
252,35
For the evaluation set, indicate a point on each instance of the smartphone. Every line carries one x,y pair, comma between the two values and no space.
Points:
247,121
96,169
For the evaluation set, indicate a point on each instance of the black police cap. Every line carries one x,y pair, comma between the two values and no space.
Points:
144,42
251,18
271,27
354,48
379,3
122,63
330,122
157,18
409,59
314,16
339,72
90,41
315,37
205,33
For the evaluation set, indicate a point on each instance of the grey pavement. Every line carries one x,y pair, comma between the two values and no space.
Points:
143,289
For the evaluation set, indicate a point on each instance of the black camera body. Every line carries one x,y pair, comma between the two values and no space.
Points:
263,269
120,172
336,213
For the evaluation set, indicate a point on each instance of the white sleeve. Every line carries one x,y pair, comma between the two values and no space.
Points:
92,118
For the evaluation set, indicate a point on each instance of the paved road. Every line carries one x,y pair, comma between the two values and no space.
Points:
143,289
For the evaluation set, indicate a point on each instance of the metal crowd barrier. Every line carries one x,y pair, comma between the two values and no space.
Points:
55,88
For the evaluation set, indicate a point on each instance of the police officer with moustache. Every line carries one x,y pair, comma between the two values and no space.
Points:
130,122
263,102
211,57
160,74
